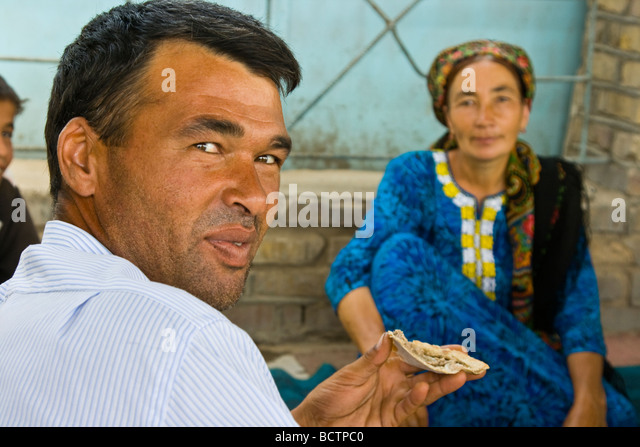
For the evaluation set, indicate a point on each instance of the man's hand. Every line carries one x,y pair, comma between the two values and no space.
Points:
376,390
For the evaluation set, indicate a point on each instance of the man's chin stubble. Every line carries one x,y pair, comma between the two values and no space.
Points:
218,295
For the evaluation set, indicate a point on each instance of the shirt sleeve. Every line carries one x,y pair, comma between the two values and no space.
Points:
578,319
224,381
404,198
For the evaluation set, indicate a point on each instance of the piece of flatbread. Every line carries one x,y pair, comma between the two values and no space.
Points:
435,358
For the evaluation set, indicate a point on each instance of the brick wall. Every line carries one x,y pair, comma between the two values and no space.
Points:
614,136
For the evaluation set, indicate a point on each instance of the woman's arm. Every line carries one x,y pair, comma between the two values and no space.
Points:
404,203
580,330
590,401
358,314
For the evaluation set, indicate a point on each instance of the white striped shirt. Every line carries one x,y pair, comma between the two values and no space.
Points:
87,340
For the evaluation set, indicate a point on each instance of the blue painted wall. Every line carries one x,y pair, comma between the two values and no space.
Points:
380,108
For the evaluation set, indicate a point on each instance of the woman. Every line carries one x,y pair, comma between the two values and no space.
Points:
453,256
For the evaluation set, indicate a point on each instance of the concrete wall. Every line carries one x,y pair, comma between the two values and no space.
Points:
378,109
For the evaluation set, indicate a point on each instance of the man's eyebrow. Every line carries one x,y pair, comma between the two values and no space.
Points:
282,142
205,124
202,125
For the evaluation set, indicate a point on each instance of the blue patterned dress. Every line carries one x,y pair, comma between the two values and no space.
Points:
439,268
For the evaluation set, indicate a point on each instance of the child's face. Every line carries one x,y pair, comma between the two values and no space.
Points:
7,113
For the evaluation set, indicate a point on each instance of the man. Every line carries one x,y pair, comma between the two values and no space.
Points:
17,231
165,135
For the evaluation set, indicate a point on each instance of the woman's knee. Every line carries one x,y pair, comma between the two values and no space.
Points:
402,249
403,264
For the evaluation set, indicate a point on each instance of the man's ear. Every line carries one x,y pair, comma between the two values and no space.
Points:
77,144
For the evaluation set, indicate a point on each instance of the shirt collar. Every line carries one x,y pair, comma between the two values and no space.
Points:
64,234
66,259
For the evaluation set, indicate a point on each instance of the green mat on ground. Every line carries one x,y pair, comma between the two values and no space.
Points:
293,390
631,376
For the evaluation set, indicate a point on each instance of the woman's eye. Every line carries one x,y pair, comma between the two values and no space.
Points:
210,148
466,103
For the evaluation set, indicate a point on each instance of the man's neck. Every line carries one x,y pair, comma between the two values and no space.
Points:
69,208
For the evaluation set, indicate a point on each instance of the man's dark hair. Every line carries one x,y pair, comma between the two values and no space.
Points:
100,74
9,94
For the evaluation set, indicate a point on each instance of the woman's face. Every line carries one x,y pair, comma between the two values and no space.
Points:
486,122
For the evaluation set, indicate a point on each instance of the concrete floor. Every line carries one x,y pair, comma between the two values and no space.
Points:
303,360
623,349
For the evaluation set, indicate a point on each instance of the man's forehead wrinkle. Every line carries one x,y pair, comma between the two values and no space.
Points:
194,63
226,106
175,47
203,124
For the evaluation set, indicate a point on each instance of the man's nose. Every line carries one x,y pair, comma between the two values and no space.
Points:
245,189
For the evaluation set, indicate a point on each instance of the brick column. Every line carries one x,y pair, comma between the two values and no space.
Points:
614,135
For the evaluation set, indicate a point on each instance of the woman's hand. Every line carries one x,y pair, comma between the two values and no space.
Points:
588,411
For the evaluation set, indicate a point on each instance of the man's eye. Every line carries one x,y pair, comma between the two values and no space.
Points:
210,148
7,135
268,159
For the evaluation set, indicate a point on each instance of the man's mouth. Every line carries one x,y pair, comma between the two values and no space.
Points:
233,245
